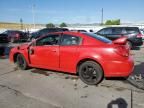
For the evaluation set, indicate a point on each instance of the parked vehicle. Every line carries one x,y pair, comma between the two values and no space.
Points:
78,30
2,51
142,32
132,33
3,38
44,31
90,56
15,35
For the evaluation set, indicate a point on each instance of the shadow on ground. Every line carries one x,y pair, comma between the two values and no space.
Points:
118,103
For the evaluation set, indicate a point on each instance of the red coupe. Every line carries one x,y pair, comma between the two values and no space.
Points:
90,56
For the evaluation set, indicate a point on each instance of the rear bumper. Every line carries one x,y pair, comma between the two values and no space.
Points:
137,42
119,68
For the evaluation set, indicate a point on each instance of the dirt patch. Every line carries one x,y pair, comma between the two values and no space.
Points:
85,86
72,77
120,89
39,71
15,69
84,96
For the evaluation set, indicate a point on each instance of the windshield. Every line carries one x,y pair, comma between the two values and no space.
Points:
98,37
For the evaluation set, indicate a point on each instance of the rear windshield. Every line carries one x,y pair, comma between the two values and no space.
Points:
132,30
98,37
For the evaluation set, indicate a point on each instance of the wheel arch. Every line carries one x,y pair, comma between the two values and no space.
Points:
84,60
15,56
129,40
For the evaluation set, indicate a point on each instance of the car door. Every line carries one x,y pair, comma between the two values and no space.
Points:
69,52
116,33
45,52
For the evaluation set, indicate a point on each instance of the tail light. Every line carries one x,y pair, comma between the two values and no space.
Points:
139,35
122,50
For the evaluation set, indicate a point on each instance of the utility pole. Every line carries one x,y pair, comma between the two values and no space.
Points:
33,14
102,16
21,22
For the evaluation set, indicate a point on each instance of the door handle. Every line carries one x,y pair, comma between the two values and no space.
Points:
54,51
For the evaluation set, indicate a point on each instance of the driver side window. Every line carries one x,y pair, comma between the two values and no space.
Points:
48,40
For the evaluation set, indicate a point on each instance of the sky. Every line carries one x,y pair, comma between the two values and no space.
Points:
71,11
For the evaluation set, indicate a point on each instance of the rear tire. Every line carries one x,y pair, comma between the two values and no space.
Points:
90,73
21,62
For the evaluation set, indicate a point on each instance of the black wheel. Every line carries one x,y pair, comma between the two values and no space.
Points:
90,73
21,62
129,44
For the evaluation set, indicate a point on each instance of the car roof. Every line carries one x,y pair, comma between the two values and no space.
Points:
121,27
13,31
56,28
66,32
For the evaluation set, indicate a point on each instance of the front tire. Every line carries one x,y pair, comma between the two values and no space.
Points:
90,73
21,62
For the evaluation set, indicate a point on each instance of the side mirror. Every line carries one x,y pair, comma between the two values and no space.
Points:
121,41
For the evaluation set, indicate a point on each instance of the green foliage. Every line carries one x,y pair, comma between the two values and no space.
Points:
50,25
113,22
63,25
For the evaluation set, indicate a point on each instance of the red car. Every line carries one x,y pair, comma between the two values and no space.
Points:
90,56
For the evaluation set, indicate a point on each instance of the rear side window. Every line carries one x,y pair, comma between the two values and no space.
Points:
116,30
108,31
98,37
105,31
132,30
70,40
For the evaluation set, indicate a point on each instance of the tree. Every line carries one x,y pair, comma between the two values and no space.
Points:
50,25
117,22
113,22
108,22
63,25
